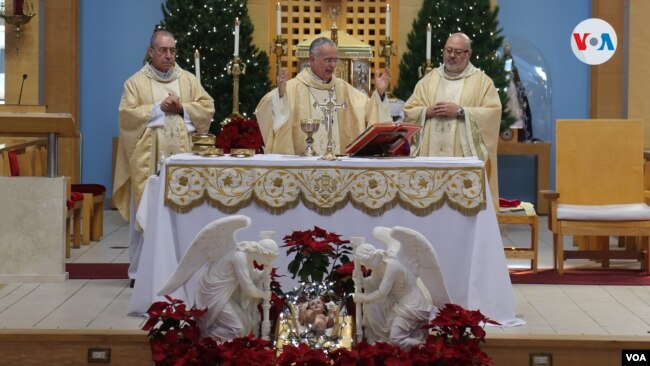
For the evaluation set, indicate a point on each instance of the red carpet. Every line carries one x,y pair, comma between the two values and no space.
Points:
582,277
97,271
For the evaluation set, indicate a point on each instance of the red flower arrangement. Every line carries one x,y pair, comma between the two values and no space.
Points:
454,340
174,335
242,133
314,249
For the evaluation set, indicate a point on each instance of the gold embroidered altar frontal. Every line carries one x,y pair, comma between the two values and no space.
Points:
325,190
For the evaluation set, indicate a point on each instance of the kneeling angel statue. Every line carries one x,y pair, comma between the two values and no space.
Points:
230,287
405,285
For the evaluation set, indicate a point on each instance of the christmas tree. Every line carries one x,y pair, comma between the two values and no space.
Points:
472,17
208,26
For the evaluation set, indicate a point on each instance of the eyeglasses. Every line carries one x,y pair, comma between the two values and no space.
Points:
457,53
331,61
165,50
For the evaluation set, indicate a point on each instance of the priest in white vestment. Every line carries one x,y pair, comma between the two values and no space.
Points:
160,106
279,112
459,109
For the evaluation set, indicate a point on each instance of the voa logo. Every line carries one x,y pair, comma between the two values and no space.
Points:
593,41
634,357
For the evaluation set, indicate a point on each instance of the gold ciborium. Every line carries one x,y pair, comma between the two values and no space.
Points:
310,126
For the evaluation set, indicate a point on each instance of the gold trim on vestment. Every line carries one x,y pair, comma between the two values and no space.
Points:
325,190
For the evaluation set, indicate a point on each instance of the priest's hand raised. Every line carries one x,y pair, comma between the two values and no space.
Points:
382,80
283,75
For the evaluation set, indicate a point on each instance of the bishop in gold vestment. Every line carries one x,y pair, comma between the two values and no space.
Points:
459,109
280,111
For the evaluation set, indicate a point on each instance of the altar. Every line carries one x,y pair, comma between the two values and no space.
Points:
445,199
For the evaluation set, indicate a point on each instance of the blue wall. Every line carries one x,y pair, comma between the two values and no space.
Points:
528,23
115,35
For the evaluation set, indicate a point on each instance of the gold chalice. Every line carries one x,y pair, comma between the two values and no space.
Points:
310,126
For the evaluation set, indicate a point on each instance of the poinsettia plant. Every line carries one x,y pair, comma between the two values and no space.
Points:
318,253
174,334
455,337
242,133
454,340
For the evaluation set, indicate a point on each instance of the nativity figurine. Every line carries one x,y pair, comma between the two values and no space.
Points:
314,314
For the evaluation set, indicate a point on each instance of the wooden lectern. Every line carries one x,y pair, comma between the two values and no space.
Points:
52,125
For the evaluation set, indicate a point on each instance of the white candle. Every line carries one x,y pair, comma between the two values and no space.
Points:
197,65
278,16
236,36
428,41
387,20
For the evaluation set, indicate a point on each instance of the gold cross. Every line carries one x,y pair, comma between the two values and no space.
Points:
328,106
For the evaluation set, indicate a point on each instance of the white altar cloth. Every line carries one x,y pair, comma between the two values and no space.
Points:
469,247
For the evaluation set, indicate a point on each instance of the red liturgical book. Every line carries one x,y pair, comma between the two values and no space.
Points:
384,139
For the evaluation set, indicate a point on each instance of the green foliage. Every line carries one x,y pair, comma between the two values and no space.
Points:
209,26
472,17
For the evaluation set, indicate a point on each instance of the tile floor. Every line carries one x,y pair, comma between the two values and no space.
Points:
547,309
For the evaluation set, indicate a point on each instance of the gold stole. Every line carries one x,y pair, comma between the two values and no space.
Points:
170,138
444,138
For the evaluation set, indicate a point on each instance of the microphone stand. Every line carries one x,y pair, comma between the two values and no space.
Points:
20,95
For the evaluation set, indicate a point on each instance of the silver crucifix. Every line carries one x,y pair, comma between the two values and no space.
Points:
328,107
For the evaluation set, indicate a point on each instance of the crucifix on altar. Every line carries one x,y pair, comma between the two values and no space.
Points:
328,107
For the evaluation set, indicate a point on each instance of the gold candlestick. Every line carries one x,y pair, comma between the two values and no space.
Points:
235,67
425,68
279,49
387,50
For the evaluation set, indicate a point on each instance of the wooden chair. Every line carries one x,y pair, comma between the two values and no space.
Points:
92,211
519,218
599,188
73,220
525,217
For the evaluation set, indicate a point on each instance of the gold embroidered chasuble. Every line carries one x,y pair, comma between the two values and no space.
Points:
279,118
475,135
139,146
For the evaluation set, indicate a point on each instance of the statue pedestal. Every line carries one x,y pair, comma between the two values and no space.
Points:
32,222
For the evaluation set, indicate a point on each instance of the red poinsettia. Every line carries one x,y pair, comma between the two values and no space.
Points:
456,335
302,355
176,340
246,351
363,353
240,132
174,335
313,251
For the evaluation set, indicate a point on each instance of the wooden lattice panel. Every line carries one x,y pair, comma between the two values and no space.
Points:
303,19
366,21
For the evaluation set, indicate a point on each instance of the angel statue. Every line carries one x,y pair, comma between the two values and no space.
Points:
231,287
405,285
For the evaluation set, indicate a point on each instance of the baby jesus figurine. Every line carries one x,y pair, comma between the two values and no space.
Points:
315,314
